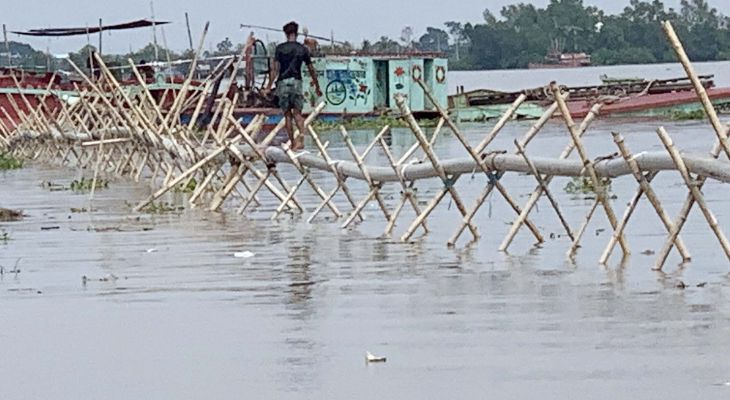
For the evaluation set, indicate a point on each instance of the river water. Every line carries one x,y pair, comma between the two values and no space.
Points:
517,79
168,312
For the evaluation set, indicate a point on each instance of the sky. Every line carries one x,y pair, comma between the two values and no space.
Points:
347,19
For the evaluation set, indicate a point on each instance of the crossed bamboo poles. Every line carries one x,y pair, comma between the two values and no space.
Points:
131,134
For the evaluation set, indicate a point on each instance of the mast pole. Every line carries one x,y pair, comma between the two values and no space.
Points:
190,35
154,31
100,36
7,46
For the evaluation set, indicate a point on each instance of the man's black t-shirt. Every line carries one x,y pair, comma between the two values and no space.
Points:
290,56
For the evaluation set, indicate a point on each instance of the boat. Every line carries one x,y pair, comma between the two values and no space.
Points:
556,58
563,60
668,104
634,97
22,90
354,84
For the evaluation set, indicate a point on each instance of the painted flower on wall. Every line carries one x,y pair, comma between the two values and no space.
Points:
400,72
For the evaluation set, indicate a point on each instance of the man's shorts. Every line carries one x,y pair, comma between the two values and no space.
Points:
290,94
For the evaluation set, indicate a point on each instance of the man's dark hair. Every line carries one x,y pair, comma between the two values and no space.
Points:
292,28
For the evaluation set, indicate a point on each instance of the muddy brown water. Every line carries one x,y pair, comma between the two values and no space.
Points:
168,312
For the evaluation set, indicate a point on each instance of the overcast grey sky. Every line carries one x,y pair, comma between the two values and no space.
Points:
350,20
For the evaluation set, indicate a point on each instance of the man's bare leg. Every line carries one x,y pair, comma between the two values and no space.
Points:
289,129
299,120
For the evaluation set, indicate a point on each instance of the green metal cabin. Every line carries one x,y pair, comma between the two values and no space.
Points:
366,85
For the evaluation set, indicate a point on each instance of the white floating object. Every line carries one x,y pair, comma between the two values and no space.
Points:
244,254
374,359
151,250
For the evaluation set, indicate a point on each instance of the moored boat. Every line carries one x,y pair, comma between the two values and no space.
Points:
634,97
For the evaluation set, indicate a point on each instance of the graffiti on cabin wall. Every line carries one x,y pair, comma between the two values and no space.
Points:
440,74
346,85
400,74
311,90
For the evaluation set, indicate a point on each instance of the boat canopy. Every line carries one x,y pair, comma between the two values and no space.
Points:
142,23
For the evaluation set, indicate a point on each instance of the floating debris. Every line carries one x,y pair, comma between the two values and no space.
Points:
15,269
7,215
244,254
82,210
370,358
108,278
25,290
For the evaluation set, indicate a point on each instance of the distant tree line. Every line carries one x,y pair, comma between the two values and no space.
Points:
23,55
524,33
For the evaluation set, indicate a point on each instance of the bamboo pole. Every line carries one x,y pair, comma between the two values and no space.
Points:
493,178
721,132
537,193
271,170
190,36
407,193
447,181
193,169
412,150
597,185
374,186
644,189
694,190
545,189
7,46
177,105
101,35
341,184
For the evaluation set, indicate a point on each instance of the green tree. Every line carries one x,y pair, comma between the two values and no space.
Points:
224,48
435,40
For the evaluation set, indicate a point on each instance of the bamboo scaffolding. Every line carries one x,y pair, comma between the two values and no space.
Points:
538,192
116,131
721,131
644,189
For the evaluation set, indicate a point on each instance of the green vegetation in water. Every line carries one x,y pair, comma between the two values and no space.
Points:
162,208
8,162
688,115
4,236
82,185
369,123
582,185
186,187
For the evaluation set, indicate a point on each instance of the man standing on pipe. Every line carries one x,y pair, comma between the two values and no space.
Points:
287,72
